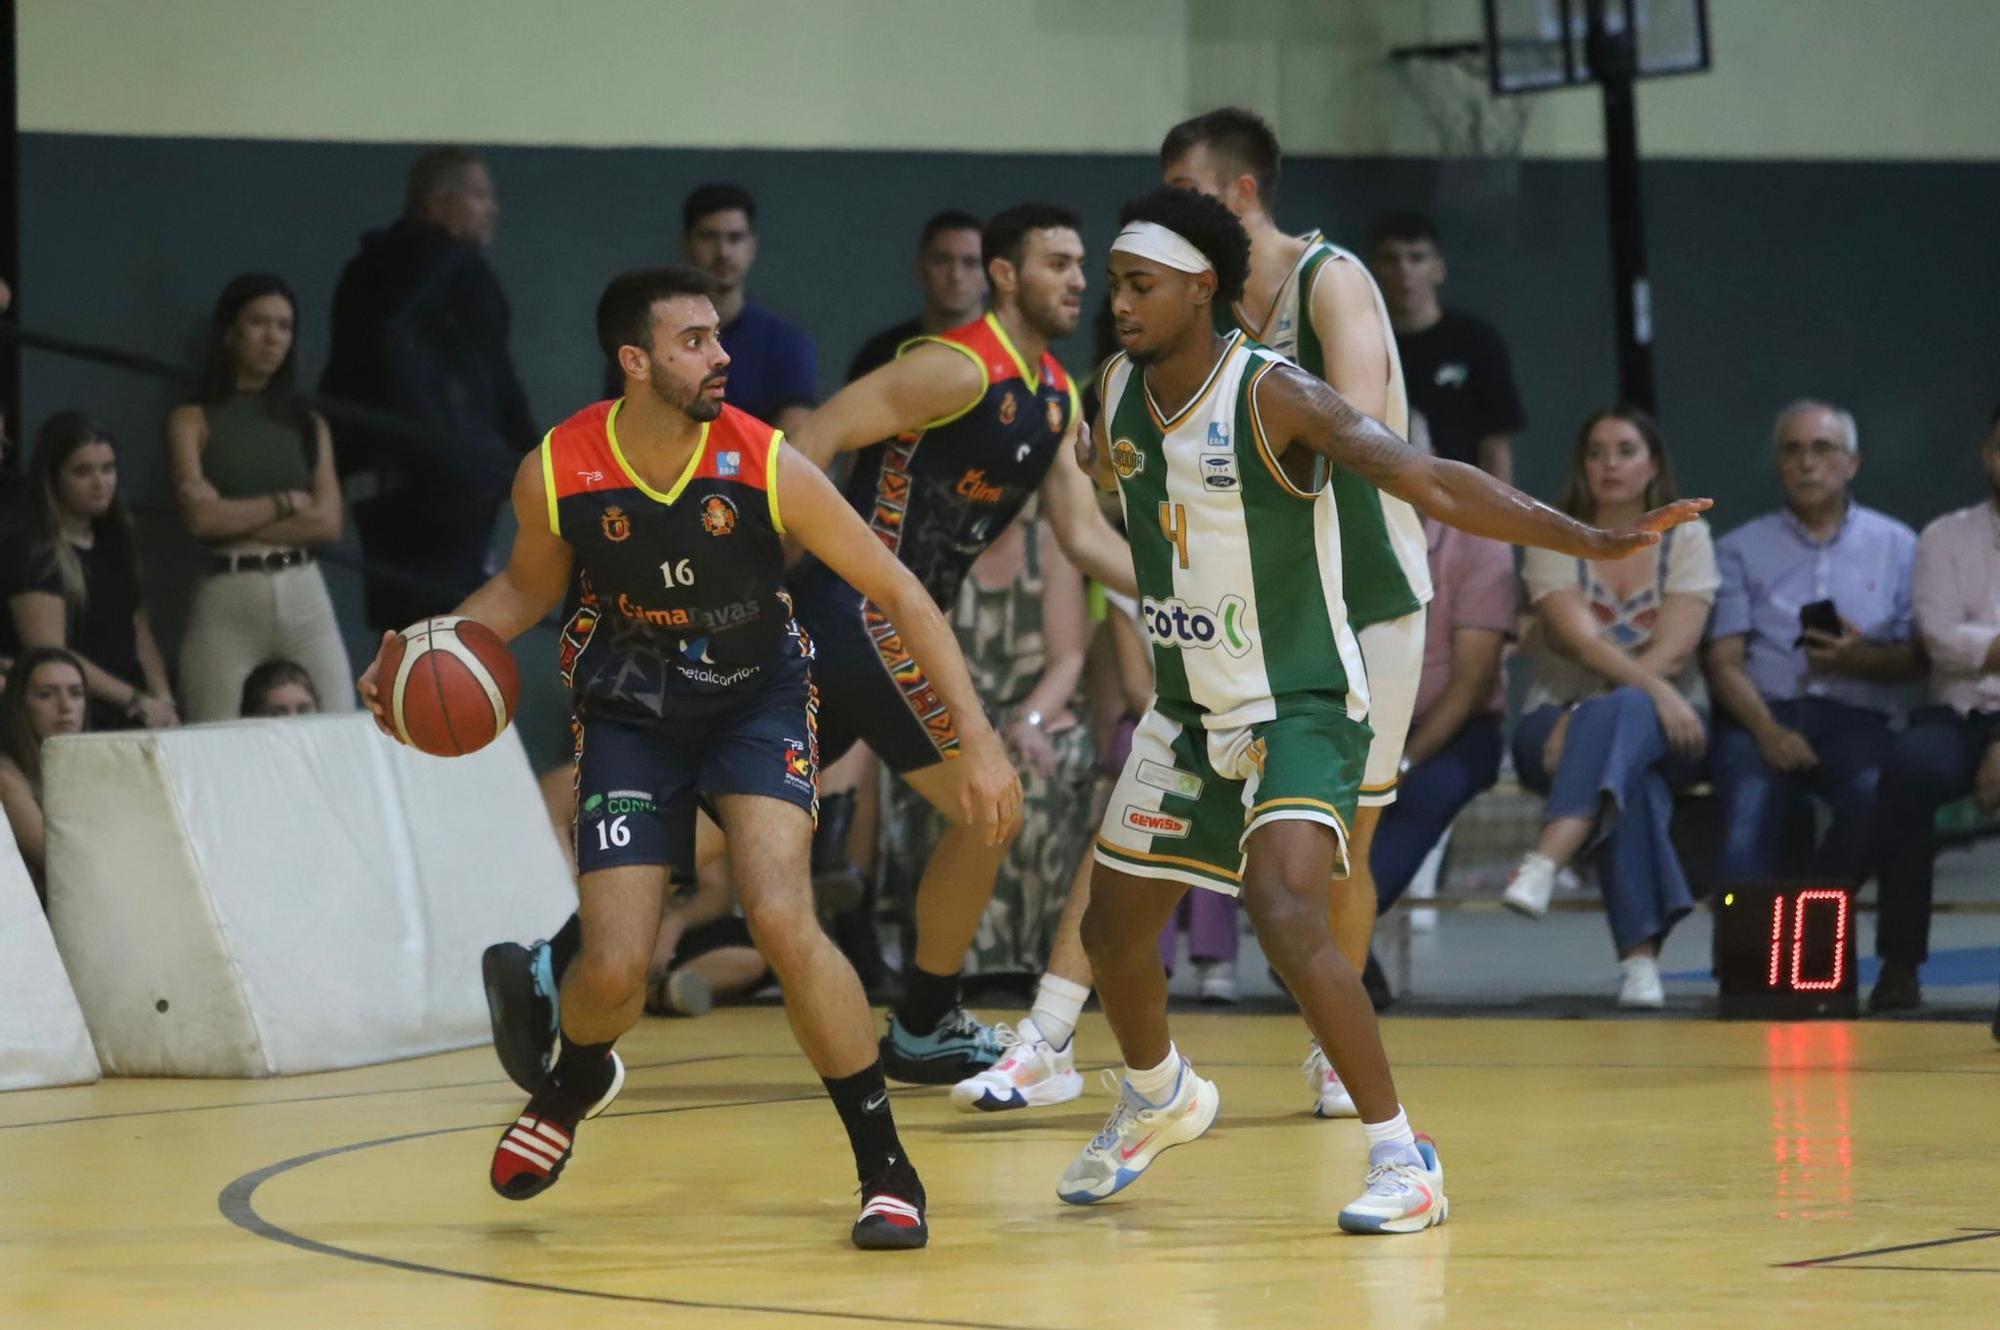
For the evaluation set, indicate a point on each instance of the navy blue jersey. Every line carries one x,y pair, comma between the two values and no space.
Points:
938,497
679,606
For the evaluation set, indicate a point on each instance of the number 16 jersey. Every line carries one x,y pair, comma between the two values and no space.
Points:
678,609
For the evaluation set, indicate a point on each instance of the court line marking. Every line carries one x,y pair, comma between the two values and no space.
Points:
237,1203
342,1094
1966,1235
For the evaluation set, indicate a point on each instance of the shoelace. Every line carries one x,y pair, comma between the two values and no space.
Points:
1387,1180
1125,1109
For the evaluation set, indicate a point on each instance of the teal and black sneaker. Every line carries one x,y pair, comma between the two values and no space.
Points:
521,1003
958,1048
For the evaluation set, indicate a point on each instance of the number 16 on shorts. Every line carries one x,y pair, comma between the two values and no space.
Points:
607,817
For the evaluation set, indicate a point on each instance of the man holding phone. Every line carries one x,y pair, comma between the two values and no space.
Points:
1812,631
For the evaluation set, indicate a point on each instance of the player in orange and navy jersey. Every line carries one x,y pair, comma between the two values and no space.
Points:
664,512
976,420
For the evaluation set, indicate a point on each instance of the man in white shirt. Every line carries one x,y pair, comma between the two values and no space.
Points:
1949,749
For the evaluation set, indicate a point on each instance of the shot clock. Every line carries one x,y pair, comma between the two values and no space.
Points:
1785,952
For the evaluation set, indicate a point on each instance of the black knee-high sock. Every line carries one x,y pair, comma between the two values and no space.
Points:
566,943
926,999
582,1073
863,1102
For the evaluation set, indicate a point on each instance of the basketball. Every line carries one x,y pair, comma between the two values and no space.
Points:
449,686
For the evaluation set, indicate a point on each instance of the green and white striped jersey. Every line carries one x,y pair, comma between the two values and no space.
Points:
1382,538
1239,570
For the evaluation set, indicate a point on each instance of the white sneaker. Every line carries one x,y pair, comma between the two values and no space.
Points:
1330,1097
1642,988
1529,889
1401,1197
1136,1134
1033,1073
1218,981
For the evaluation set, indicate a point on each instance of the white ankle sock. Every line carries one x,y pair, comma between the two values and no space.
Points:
1536,859
1155,1085
1058,1003
1393,1134
1641,965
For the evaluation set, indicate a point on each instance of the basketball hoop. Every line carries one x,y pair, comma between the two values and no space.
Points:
1479,135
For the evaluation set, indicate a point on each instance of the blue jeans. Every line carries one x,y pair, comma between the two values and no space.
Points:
1853,745
1935,761
1430,795
1616,768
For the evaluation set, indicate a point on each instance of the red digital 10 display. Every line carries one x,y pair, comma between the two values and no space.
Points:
1785,952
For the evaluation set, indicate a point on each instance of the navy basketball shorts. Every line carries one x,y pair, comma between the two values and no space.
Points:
872,690
640,780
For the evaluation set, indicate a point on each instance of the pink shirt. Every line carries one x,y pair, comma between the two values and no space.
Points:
1474,581
1955,594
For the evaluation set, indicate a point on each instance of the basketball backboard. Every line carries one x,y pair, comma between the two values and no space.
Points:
1536,45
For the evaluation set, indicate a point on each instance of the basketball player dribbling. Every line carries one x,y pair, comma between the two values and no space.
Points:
692,685
1243,777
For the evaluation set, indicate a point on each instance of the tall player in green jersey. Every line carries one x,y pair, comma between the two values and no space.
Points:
1243,777
1315,304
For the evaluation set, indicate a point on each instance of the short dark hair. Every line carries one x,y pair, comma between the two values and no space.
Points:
1008,230
625,310
1406,224
718,196
268,678
951,219
437,171
1237,134
1204,223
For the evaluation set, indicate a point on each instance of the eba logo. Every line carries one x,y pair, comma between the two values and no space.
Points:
729,464
1126,459
1218,471
1175,623
718,515
1218,437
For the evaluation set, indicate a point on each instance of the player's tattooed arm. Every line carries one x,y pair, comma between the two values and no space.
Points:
1297,409
1087,540
830,530
928,384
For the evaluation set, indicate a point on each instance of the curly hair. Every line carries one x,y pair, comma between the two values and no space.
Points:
1204,223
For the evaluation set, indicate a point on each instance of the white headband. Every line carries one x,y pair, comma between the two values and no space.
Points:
1150,240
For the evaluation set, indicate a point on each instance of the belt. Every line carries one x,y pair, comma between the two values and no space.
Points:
269,562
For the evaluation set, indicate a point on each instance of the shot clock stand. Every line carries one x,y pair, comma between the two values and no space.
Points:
1785,951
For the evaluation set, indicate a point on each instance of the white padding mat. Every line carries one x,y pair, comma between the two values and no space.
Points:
272,897
42,1039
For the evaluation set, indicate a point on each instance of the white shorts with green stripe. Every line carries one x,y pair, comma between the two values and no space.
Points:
1394,655
1188,800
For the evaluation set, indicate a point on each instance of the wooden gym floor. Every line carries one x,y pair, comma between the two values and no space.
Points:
1602,1173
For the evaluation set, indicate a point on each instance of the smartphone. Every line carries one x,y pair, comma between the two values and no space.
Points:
1819,617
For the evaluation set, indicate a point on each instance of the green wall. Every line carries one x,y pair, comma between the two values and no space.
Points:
1870,283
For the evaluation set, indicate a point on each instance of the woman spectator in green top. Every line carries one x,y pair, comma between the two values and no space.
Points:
252,467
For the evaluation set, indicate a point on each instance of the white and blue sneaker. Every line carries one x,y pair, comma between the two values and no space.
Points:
523,1006
1330,1097
959,1047
1033,1074
1136,1134
1402,1196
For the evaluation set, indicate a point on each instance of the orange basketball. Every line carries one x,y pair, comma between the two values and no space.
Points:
449,686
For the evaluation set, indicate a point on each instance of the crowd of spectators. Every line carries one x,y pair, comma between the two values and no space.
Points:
1776,665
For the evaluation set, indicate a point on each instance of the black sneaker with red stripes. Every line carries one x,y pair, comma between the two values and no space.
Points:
892,1210
535,1147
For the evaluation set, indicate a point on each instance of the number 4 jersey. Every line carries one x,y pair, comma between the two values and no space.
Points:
1239,569
677,600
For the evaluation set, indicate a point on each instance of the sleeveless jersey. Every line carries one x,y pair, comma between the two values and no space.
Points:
938,497
1240,571
1382,538
678,606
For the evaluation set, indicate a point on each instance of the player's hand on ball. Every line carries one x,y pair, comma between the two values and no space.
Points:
369,686
990,796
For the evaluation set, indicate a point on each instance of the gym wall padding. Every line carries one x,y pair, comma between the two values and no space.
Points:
42,1038
273,897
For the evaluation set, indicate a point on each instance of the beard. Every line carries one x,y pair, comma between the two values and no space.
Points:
694,402
1048,317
